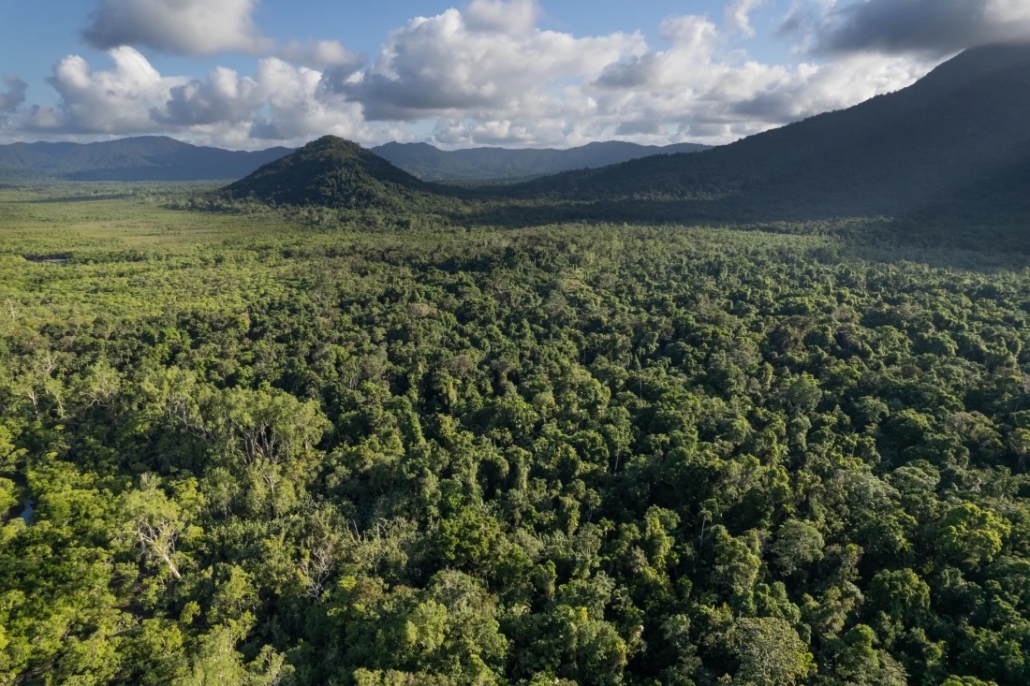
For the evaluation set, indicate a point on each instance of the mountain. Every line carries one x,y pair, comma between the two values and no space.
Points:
334,172
495,164
150,158
957,140
952,149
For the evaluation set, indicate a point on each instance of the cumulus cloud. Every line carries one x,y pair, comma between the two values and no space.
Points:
738,15
281,102
186,27
223,97
298,107
115,101
935,27
490,58
695,90
507,16
12,95
320,54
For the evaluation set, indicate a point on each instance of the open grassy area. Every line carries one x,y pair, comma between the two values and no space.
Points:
83,217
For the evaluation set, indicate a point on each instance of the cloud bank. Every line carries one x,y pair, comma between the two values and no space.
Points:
489,74
280,102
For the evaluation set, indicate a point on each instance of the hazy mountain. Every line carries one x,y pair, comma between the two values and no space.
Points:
333,172
150,158
485,164
958,136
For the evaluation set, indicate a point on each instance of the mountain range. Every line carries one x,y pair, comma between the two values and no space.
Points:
149,158
494,164
158,158
955,146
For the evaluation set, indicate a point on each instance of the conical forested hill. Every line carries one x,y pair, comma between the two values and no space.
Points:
333,172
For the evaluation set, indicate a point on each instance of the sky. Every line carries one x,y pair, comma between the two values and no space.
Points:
251,74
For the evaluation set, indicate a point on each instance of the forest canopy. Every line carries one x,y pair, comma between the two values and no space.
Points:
243,449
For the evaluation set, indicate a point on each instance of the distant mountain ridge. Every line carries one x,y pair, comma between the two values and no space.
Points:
498,164
147,158
159,158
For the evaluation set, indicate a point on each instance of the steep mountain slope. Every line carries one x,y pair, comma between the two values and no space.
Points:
947,140
150,158
432,164
333,172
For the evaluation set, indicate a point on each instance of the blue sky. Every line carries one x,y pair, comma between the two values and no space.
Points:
255,73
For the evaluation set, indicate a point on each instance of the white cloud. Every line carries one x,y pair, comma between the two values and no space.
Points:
117,101
223,97
318,54
695,91
502,16
297,107
12,95
187,27
280,103
738,15
490,59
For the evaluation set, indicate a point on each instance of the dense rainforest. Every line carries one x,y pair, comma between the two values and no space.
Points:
249,449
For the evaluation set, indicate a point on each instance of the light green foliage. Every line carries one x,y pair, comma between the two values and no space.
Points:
972,535
770,653
797,545
861,664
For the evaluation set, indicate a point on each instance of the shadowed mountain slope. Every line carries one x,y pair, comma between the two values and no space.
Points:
951,137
